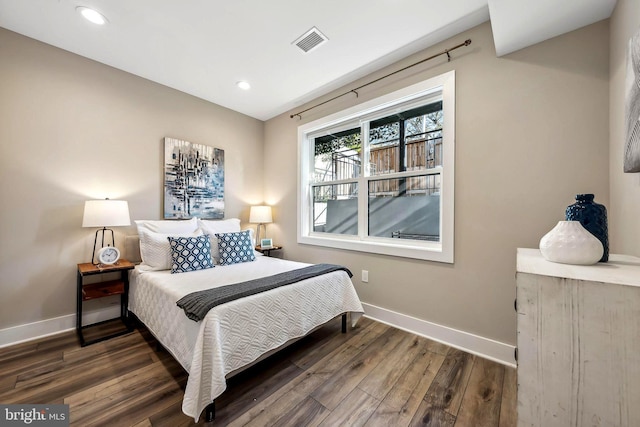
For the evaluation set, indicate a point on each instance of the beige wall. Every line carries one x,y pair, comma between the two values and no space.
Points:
624,212
531,132
71,130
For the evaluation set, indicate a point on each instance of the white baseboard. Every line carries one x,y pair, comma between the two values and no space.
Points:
480,346
43,328
483,347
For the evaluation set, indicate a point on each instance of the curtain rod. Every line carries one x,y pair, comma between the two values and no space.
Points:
444,52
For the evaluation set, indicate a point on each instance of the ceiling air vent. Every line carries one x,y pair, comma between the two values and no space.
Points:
310,40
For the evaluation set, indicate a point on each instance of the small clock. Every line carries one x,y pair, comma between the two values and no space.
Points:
108,255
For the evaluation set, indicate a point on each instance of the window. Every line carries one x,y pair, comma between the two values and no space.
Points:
378,177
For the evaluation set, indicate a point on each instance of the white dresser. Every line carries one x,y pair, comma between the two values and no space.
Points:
578,342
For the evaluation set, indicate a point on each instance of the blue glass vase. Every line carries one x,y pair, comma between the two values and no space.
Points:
593,217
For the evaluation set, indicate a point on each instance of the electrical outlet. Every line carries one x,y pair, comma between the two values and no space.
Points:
365,276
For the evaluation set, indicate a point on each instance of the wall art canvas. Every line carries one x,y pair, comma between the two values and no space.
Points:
632,108
193,180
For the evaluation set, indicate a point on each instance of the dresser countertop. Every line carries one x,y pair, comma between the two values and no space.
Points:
620,269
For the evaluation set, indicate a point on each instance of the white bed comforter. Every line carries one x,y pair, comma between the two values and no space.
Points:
234,334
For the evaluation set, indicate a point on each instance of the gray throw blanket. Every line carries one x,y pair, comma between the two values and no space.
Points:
196,305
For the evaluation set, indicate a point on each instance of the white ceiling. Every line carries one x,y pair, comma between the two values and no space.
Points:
203,47
517,24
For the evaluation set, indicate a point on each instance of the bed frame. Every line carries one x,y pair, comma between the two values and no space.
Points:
210,410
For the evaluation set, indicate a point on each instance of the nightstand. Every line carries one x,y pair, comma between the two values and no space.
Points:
267,251
103,289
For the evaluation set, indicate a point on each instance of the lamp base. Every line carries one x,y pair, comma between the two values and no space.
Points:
258,233
95,242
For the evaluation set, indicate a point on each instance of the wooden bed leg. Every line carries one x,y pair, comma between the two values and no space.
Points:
344,323
210,412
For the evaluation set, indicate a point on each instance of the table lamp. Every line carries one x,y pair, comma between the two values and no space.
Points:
260,215
105,213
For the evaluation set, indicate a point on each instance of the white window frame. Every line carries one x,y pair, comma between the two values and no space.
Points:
443,251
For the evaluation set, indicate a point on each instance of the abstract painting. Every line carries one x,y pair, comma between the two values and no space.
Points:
193,180
632,108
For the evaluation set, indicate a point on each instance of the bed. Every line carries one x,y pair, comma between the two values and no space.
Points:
235,334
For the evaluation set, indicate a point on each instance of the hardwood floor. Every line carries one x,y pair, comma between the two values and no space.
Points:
374,375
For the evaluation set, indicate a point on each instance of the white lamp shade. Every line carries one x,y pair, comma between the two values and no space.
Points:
106,213
260,214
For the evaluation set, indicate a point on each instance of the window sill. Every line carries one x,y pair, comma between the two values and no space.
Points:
428,251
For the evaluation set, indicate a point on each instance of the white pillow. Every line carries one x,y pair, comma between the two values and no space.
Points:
155,249
212,227
168,226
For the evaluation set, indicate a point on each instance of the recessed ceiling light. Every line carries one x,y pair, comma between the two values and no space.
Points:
92,15
243,85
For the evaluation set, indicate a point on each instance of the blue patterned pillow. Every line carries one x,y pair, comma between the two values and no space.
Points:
190,253
235,247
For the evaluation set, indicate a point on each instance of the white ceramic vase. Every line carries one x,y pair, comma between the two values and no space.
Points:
570,243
